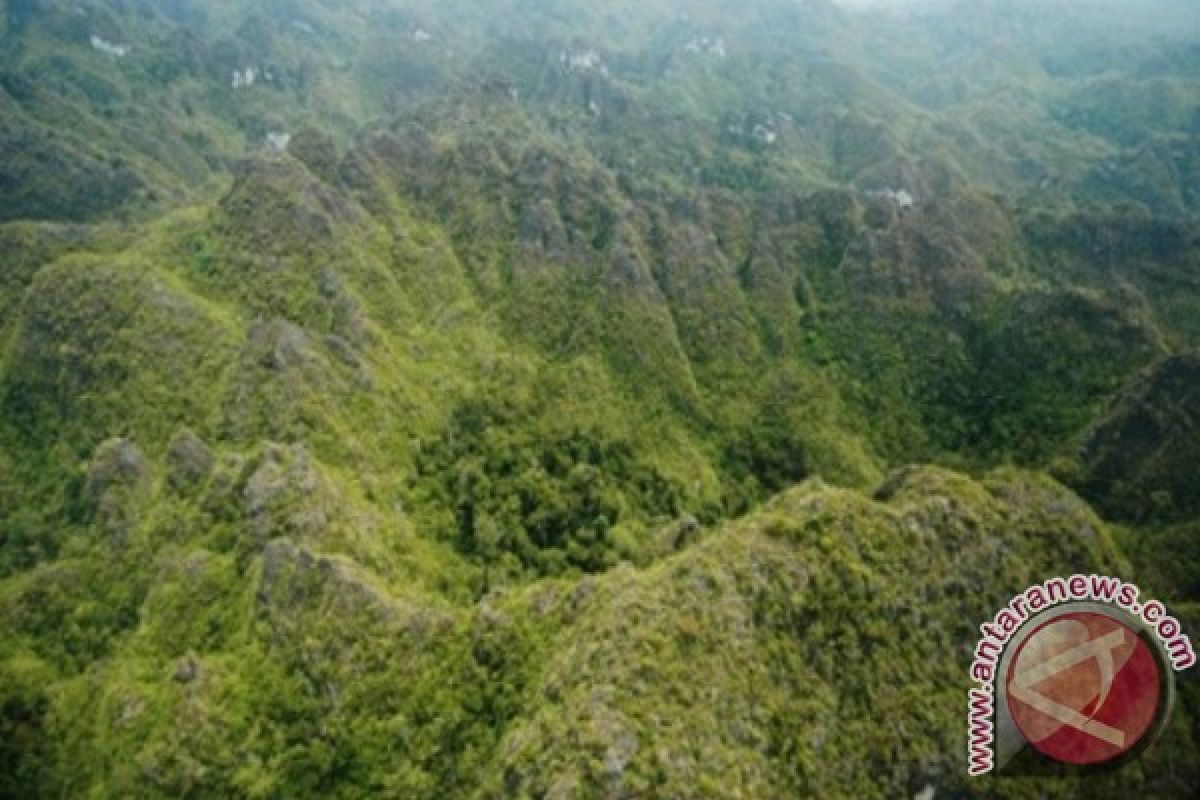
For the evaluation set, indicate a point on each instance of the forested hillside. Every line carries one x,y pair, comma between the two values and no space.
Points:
559,399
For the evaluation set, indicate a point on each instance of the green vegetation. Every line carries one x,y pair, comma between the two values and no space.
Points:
481,400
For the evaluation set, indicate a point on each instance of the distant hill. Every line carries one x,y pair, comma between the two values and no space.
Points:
570,400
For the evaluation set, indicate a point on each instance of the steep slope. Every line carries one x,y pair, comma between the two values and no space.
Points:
759,661
472,400
1139,462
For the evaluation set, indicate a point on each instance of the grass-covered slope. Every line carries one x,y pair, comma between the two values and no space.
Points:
536,421
814,648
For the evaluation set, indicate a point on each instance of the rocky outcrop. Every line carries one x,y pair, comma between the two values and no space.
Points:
118,481
276,204
659,678
284,495
189,460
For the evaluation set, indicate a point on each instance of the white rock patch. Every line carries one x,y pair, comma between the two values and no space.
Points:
279,141
583,61
901,198
246,78
104,46
764,134
708,46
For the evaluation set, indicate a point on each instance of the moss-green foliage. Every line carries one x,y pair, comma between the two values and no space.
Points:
1152,257
482,443
1167,555
1035,372
1137,462
97,340
716,672
780,641
549,493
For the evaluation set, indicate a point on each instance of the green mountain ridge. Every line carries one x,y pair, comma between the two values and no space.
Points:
539,412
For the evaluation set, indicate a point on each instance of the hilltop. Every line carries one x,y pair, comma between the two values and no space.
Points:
577,400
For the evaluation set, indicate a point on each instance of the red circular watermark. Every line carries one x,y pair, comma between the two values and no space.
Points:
1084,688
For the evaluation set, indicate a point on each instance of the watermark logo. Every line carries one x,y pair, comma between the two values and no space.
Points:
1076,671
1084,688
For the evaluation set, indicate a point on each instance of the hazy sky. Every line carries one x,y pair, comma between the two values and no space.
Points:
872,2
878,3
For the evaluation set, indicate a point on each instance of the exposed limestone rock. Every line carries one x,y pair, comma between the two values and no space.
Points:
105,46
281,496
117,478
189,460
281,345
541,227
244,78
628,268
187,671
278,141
901,198
116,463
296,582
583,61
707,45
764,134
